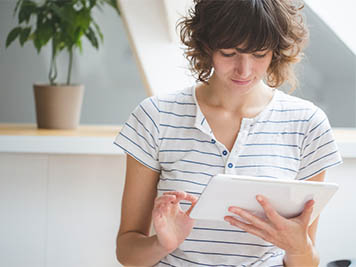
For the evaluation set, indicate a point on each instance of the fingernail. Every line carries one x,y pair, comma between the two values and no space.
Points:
311,203
259,198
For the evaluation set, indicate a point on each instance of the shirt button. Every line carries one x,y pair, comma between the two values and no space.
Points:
224,152
213,141
230,165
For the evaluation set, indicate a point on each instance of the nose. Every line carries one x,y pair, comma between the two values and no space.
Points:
243,66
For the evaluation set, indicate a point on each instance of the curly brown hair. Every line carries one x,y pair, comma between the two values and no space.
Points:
254,25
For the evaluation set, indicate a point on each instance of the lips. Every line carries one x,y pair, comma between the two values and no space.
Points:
241,82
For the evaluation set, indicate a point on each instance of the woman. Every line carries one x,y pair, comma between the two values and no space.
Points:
233,121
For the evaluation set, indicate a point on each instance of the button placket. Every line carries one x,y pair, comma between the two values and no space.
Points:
241,139
229,163
226,158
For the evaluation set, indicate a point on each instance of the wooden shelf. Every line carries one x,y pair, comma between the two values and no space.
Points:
87,139
82,130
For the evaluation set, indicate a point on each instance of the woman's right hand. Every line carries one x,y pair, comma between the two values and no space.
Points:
171,223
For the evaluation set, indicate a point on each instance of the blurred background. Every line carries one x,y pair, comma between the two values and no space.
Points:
113,84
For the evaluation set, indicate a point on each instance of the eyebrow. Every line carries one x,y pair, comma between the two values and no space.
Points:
243,51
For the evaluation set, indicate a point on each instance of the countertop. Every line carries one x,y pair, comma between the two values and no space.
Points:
98,139
86,139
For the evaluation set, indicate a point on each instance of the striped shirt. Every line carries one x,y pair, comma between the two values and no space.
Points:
290,139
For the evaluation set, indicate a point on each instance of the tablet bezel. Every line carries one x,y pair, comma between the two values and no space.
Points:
295,194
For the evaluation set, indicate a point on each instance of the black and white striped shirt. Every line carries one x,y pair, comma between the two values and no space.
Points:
290,139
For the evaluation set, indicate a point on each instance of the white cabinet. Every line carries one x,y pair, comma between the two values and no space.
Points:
83,210
23,209
60,210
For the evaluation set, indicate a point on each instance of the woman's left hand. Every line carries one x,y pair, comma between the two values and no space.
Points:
290,235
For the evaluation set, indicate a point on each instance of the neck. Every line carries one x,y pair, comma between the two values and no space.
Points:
247,104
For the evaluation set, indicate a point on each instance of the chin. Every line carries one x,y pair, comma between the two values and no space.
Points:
242,89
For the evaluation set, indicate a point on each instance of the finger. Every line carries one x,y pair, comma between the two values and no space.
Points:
178,194
157,211
270,212
244,226
252,219
162,210
181,195
307,212
159,216
191,198
171,193
164,199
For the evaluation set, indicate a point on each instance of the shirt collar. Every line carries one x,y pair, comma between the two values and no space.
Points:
202,124
200,121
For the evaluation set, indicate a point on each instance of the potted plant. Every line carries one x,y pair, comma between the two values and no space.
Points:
63,24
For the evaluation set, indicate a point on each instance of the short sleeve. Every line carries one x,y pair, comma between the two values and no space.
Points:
319,150
139,136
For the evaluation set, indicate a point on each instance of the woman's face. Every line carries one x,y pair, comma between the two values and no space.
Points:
240,72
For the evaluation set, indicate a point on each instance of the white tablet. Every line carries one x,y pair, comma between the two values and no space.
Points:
288,197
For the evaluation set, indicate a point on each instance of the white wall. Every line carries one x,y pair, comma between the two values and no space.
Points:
339,16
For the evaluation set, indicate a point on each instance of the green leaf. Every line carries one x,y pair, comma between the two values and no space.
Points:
37,42
68,13
98,31
64,14
17,6
80,46
25,33
45,34
13,35
44,29
59,44
77,35
26,10
83,19
92,3
90,34
42,34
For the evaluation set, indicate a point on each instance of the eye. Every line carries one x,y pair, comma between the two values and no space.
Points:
259,55
227,54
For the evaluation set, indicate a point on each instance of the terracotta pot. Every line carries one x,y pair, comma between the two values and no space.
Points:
58,107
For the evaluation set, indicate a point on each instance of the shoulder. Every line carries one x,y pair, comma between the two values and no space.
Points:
178,102
177,99
184,96
298,108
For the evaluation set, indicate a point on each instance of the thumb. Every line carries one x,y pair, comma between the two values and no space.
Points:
307,212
